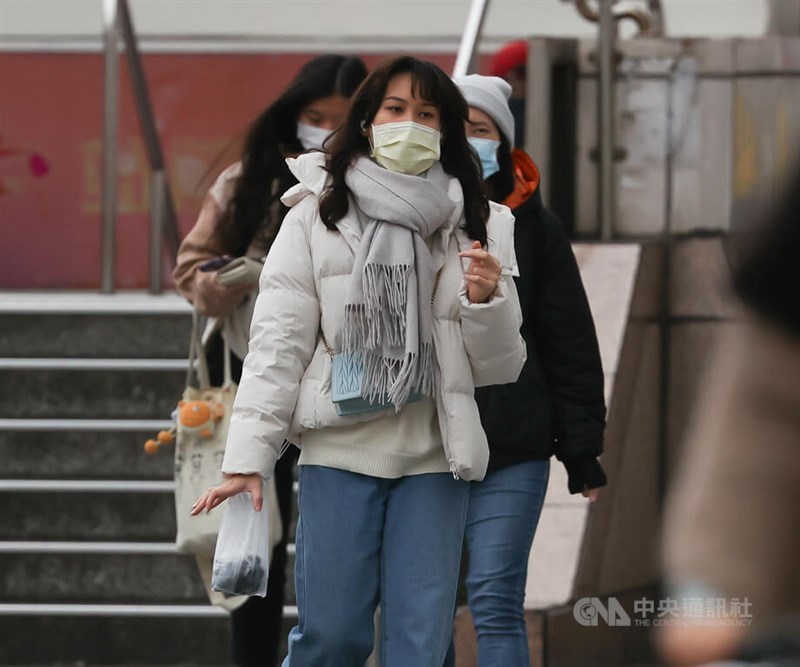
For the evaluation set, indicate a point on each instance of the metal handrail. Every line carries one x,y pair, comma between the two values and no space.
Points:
606,117
465,60
110,130
650,22
118,24
656,18
608,16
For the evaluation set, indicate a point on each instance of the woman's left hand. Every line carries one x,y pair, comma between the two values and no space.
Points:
591,494
483,273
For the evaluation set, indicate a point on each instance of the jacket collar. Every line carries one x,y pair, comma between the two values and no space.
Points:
310,170
311,174
312,178
526,179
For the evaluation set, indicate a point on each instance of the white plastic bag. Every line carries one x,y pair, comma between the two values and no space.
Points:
241,559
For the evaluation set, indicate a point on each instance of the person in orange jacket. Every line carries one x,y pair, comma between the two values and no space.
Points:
557,406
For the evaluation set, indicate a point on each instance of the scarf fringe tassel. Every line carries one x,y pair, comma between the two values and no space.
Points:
381,321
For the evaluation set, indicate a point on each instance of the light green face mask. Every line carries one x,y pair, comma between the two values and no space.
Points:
406,147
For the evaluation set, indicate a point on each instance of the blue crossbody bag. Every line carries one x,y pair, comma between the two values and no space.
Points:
347,370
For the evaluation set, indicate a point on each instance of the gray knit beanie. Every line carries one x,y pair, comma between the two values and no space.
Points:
490,94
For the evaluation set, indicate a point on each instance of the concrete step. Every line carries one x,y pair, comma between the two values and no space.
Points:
54,389
101,639
115,635
91,335
136,512
105,572
82,449
121,578
88,571
85,323
90,510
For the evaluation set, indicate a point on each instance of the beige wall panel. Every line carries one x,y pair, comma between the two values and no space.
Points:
714,56
642,132
692,348
701,166
619,544
646,301
701,280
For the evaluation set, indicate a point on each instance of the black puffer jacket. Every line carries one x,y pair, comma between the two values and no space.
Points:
557,405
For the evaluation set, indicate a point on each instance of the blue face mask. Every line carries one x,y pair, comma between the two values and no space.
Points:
487,152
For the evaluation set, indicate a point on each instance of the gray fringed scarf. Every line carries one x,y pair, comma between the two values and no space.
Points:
387,314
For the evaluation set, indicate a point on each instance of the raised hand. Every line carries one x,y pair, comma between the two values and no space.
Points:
483,273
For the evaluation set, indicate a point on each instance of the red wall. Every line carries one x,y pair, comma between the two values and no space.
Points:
51,108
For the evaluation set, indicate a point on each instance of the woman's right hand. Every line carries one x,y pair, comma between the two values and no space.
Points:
216,300
482,275
231,485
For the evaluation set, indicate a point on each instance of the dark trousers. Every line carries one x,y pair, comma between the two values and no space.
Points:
256,626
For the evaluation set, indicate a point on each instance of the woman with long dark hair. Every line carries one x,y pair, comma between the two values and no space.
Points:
555,408
393,272
241,217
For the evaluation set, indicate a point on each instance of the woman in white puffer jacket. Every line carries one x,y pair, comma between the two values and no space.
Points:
381,259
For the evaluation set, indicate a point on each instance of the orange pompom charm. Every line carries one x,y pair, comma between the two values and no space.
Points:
165,437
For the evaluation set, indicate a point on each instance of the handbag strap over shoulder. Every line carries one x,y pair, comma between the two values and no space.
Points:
198,366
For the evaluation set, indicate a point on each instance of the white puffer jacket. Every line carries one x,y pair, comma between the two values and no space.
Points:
285,385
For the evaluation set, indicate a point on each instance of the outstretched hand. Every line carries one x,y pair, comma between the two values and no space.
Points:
483,273
231,485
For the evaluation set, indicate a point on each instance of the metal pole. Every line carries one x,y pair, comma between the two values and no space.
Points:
465,61
650,24
784,18
656,18
605,119
110,131
158,209
147,122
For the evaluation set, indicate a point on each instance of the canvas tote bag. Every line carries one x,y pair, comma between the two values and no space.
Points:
203,417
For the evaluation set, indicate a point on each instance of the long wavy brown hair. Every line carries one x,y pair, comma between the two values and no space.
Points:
255,209
457,158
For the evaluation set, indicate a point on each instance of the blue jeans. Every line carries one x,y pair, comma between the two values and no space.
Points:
362,540
503,513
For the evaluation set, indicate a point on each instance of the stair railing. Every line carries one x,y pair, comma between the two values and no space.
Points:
465,60
118,24
607,15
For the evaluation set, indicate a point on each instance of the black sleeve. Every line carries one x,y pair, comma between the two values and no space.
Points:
584,472
567,342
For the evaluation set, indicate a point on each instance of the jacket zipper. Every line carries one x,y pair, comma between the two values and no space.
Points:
450,462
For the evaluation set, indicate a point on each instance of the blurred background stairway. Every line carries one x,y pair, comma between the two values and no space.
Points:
88,569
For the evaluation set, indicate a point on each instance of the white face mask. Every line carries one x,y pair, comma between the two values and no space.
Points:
312,137
406,147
